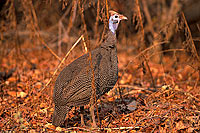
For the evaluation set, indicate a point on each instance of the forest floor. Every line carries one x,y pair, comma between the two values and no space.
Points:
167,101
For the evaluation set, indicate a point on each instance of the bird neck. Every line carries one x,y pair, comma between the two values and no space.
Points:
110,40
113,26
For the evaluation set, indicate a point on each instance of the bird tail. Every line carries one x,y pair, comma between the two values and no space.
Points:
59,115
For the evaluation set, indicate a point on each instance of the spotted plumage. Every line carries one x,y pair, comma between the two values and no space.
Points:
73,86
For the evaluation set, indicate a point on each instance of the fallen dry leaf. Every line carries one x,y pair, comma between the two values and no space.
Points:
180,125
12,93
21,94
18,94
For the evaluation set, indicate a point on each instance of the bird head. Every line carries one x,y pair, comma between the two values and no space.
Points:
114,20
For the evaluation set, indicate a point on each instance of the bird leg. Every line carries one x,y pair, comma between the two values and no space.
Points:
82,116
93,116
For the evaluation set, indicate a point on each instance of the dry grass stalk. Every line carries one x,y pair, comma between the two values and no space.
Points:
105,17
93,97
188,35
32,23
191,47
84,44
148,15
59,37
140,20
143,42
10,23
96,23
74,45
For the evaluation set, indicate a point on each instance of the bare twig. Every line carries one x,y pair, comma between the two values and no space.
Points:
96,23
148,16
59,37
107,13
93,97
140,22
72,18
43,42
194,51
84,44
148,67
61,64
34,22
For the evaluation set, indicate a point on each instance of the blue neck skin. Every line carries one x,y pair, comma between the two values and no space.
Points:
113,24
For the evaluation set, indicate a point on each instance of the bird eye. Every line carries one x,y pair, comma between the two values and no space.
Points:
116,16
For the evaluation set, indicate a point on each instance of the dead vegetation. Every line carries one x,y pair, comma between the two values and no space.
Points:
158,53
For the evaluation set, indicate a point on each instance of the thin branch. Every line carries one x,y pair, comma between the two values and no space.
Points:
93,97
60,64
190,35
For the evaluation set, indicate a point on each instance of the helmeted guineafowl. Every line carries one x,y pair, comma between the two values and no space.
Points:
73,86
